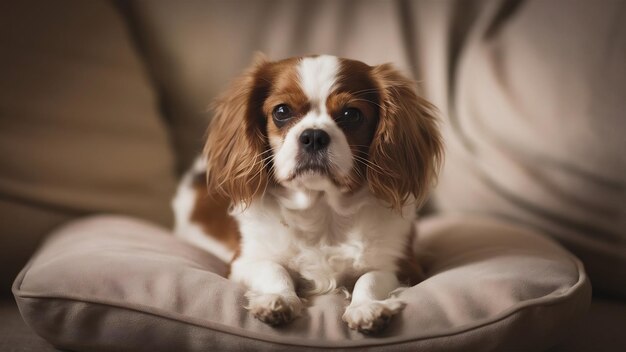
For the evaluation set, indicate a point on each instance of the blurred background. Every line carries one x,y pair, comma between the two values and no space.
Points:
104,103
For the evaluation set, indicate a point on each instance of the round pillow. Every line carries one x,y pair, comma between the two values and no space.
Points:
113,283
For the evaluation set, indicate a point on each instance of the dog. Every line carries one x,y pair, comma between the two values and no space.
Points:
309,183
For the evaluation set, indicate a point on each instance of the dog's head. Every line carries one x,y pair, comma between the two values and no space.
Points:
323,122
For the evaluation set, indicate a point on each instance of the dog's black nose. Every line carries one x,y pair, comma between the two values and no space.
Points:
313,140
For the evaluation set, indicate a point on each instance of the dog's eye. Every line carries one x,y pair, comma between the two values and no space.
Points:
282,113
349,116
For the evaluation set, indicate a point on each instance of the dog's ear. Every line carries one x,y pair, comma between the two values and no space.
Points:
236,145
407,146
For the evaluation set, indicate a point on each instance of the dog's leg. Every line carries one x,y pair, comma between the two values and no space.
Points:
271,297
371,307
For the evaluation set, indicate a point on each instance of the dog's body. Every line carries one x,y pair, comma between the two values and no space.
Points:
305,191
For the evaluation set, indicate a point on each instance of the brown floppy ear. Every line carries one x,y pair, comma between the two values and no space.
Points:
407,145
236,144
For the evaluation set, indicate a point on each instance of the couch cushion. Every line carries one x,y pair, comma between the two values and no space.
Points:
118,284
22,226
80,129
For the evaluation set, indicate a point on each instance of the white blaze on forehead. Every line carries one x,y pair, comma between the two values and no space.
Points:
317,78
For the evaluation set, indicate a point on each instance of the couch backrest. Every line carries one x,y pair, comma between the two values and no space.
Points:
80,127
534,96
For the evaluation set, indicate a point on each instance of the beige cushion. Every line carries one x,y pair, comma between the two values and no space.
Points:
119,284
80,130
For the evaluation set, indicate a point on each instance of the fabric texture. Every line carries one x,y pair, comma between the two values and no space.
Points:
119,284
599,331
80,129
533,97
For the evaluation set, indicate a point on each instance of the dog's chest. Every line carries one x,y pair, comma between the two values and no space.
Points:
324,247
324,243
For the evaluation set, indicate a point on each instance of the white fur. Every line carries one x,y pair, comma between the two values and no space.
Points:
328,243
318,76
323,241
371,302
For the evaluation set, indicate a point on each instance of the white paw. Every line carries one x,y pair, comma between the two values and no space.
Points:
274,309
372,317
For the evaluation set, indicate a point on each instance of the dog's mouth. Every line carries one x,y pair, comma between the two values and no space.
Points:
311,166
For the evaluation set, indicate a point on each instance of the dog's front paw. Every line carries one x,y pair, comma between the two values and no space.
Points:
274,309
372,317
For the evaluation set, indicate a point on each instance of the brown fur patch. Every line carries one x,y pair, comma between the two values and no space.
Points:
211,213
285,90
236,145
407,147
356,89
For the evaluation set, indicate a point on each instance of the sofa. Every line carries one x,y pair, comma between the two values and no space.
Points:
103,105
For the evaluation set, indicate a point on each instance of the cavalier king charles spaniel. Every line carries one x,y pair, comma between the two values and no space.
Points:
309,183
